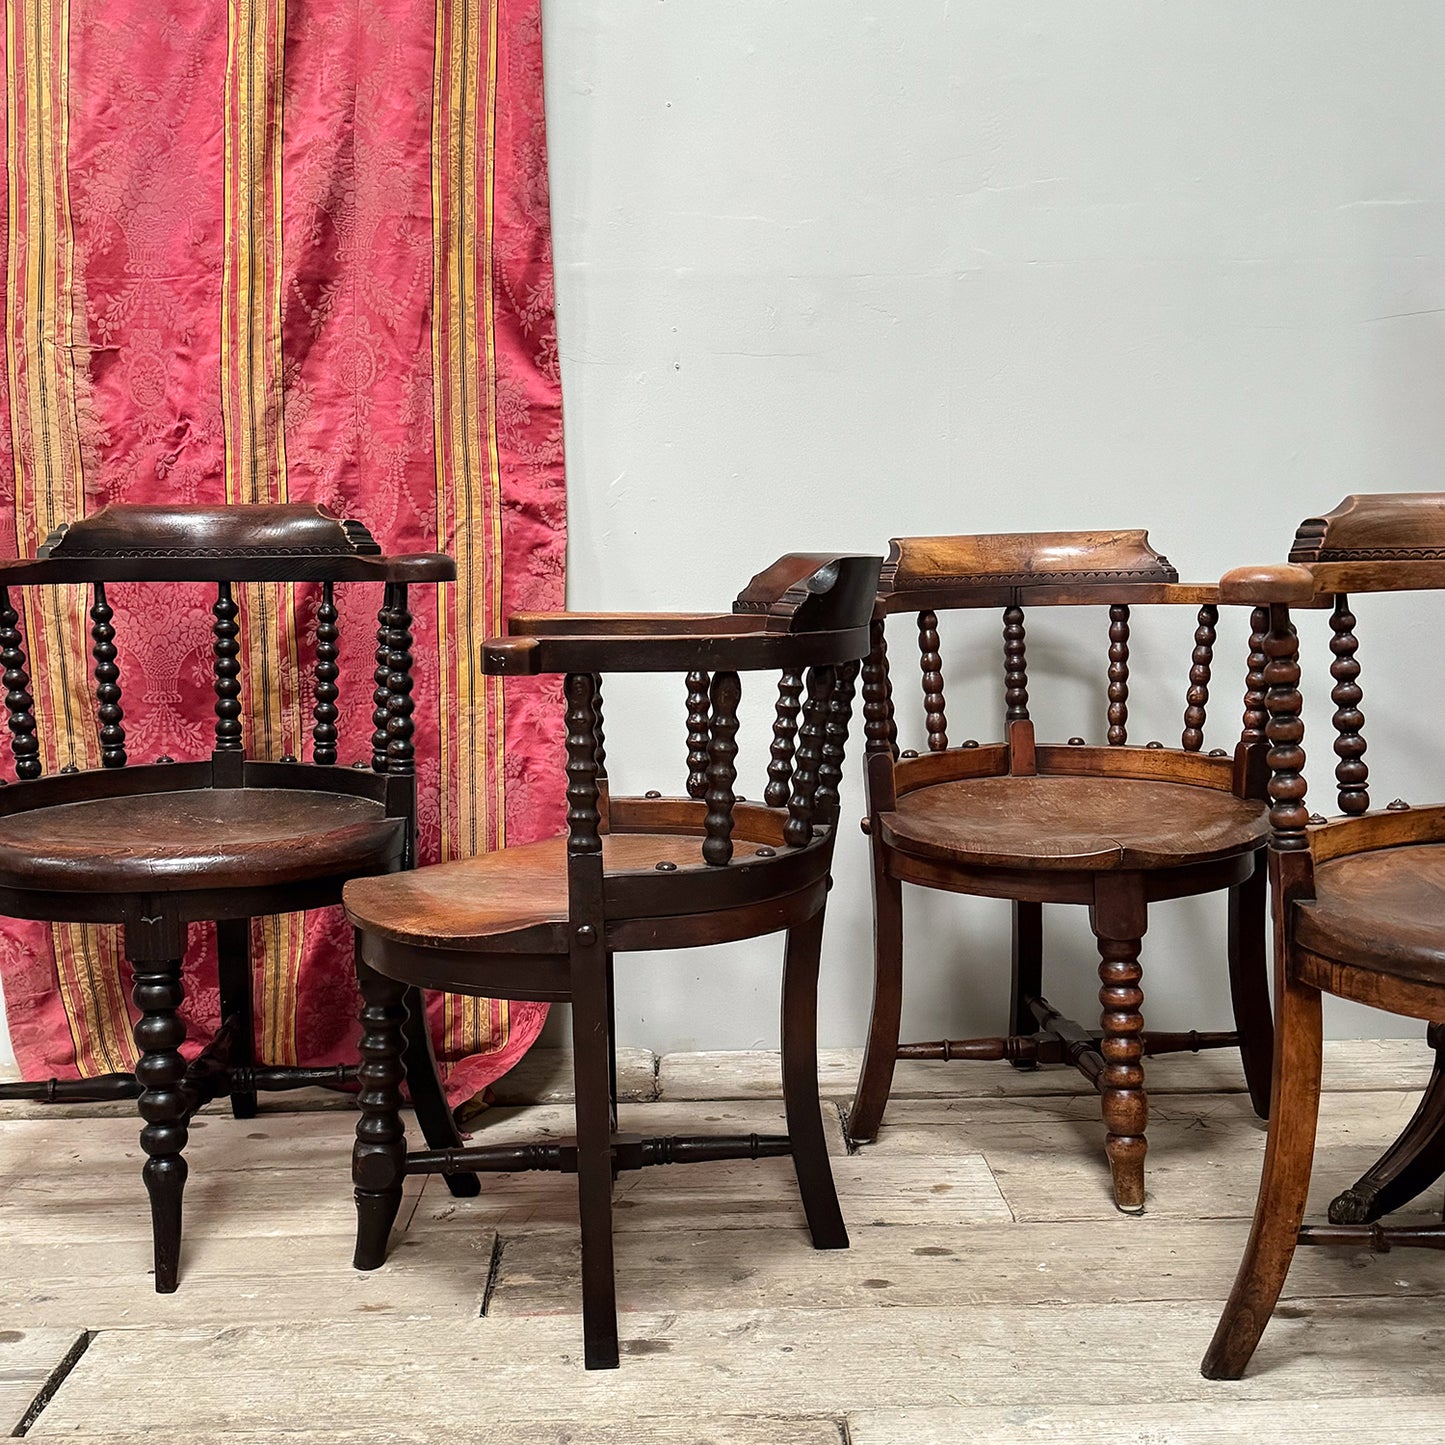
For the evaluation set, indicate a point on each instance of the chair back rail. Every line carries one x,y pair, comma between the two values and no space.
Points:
224,546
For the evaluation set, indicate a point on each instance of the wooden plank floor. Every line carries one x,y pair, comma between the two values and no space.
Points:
991,1293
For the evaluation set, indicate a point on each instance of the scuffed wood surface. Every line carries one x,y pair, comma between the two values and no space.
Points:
987,1264
27,1359
781,1361
1375,1421
1350,1064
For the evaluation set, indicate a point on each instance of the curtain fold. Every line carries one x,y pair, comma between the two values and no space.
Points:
284,250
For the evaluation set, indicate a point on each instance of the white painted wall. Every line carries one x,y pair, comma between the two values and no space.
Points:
829,271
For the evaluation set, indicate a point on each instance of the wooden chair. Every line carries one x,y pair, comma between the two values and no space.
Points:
158,845
1113,828
544,921
1356,901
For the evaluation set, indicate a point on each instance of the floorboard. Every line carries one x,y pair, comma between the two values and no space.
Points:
991,1291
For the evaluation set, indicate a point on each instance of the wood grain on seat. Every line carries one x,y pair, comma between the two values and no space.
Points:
1073,822
1383,910
465,904
201,838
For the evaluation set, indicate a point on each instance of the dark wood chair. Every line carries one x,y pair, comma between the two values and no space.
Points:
158,845
1356,902
545,920
1113,828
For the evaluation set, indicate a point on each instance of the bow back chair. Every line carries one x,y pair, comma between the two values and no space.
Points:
1356,901
157,845
1113,827
543,921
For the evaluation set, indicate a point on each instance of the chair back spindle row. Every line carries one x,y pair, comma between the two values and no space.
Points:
880,727
393,750
805,768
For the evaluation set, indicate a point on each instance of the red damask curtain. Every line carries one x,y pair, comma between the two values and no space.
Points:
285,250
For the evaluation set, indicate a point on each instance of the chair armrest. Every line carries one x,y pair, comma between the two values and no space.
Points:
747,648
1284,582
619,624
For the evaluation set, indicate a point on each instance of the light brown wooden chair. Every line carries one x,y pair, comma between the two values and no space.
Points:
1357,901
1113,828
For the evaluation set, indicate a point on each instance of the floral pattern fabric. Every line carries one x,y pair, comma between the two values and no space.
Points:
284,250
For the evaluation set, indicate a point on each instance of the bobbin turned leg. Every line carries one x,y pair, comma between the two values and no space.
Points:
233,963
1119,919
1249,982
428,1097
378,1159
156,947
800,1085
875,1079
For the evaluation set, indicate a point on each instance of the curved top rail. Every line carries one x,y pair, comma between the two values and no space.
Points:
982,570
291,542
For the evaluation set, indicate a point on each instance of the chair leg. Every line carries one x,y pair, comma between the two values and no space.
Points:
800,1085
1283,1186
881,1051
612,1039
1119,918
233,962
428,1097
1028,971
378,1159
1249,982
159,1034
592,1111
1411,1164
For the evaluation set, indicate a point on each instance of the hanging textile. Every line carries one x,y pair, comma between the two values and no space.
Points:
272,251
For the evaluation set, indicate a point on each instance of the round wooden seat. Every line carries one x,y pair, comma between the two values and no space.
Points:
469,903
1073,822
201,838
1383,910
